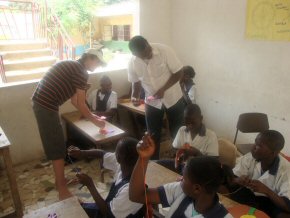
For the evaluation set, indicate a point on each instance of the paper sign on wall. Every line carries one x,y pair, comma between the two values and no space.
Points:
268,20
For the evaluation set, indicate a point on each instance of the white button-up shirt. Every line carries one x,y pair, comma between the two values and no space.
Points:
206,143
120,205
171,195
277,178
155,72
111,103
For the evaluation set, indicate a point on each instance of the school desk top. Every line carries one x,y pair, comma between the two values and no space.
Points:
4,142
68,208
90,130
126,103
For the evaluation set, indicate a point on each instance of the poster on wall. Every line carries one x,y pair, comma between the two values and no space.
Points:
268,20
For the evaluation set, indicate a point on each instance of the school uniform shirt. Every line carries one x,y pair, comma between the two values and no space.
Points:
120,206
111,103
277,178
192,94
171,195
206,141
155,72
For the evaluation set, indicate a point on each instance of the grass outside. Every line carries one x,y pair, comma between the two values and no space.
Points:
121,46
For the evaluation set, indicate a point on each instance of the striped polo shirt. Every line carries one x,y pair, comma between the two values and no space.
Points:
60,83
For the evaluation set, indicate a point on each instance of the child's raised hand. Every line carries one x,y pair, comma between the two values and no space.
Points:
85,180
146,146
75,152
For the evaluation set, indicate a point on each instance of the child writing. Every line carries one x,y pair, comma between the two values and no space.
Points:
117,203
194,196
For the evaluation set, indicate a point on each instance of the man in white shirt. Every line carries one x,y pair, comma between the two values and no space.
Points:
103,101
156,68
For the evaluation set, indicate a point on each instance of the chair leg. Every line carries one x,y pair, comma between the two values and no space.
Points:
236,136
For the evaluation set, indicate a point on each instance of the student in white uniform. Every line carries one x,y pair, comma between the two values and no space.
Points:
156,68
103,101
198,139
195,196
187,85
117,203
262,177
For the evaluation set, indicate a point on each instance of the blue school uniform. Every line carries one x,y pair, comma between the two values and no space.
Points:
118,197
182,206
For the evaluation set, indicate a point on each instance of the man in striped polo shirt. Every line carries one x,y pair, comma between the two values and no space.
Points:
65,80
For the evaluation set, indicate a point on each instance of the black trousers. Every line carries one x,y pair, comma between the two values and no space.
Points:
154,119
246,196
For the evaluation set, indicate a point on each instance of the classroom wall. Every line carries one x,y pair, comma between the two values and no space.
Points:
17,118
234,74
155,20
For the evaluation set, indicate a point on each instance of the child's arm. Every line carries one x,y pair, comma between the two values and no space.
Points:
87,181
258,186
79,154
136,188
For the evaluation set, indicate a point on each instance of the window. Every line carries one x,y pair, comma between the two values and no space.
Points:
121,32
127,32
107,33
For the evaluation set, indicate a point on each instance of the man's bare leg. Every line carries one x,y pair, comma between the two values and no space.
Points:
60,181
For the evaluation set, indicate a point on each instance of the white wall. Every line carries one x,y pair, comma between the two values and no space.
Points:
17,118
155,20
234,74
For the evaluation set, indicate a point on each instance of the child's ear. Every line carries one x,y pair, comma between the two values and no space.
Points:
196,188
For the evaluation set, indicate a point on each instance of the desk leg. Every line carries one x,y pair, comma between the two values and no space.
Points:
13,184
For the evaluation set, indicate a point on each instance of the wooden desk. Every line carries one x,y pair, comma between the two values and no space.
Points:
4,151
133,112
158,175
126,103
68,208
90,130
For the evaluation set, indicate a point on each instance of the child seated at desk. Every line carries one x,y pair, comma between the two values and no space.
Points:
103,101
187,85
192,140
262,177
194,196
117,203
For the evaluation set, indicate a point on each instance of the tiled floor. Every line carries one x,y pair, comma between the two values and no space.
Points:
36,183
